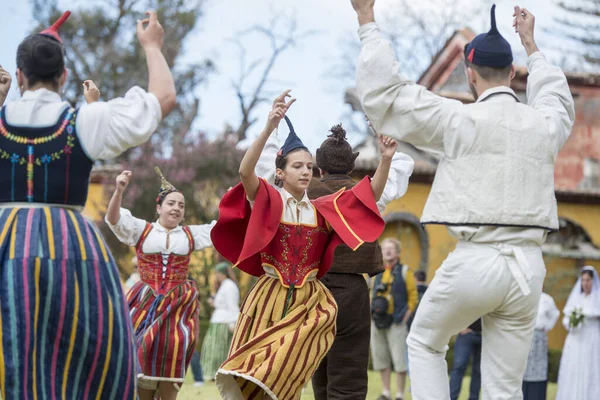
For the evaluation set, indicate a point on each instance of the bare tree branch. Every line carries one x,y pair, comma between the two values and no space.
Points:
261,69
580,25
590,10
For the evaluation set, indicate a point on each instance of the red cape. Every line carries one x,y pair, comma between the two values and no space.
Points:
241,232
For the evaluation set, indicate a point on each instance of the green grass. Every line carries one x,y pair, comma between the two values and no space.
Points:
210,392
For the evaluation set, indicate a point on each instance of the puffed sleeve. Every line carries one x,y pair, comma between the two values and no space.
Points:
107,129
128,229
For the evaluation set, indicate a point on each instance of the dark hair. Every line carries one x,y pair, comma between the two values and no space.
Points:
587,272
489,73
162,196
281,162
421,276
41,58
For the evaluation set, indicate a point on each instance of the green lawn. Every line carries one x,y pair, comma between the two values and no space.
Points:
210,392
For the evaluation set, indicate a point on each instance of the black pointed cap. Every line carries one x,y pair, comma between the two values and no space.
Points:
489,49
292,142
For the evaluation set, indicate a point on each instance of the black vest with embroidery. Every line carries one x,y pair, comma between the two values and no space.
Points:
43,165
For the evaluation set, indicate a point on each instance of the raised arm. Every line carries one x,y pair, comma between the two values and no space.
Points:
5,81
127,228
388,148
397,182
113,211
547,87
250,160
396,106
265,168
107,129
91,93
160,79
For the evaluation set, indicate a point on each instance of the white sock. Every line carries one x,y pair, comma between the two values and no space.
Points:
386,393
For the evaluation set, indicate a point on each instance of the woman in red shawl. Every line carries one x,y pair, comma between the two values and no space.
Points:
287,321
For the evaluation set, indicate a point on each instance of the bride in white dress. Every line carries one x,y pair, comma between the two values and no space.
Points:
579,374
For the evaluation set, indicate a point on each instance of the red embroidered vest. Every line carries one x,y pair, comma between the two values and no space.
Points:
296,251
163,277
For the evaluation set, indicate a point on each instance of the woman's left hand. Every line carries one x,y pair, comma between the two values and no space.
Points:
90,92
5,81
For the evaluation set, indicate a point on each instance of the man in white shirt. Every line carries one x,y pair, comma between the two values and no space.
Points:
494,189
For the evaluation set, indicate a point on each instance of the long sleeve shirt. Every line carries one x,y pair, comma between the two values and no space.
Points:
129,229
496,155
105,129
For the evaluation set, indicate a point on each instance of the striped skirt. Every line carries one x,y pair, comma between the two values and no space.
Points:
166,328
215,348
65,331
274,356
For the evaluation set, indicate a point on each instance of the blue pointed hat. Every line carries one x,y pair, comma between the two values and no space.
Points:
489,49
292,142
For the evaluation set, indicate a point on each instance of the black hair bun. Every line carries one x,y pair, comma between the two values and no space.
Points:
41,57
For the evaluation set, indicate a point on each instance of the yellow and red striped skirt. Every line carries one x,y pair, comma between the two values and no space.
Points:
274,357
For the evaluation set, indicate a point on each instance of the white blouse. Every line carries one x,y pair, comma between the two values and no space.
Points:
227,303
105,129
548,313
295,211
129,229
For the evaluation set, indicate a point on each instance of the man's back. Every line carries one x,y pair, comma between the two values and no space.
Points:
496,155
497,167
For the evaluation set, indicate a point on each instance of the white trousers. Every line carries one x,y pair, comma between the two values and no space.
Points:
498,282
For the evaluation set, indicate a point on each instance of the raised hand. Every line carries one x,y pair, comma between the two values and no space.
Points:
364,10
362,5
387,146
280,107
524,24
123,180
150,36
90,91
5,81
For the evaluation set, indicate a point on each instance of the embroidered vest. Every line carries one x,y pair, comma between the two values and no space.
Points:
296,251
43,165
163,273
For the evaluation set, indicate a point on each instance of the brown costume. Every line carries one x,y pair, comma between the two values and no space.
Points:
343,372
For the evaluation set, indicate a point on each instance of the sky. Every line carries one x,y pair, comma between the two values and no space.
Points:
306,68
